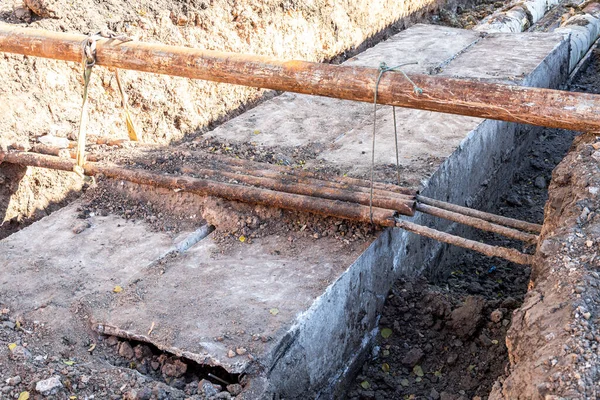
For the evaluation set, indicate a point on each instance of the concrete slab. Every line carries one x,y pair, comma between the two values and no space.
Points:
327,301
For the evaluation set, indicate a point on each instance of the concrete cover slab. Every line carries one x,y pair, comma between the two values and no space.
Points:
327,302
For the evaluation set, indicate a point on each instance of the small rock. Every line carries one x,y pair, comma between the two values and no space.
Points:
206,388
126,351
496,316
20,353
234,389
540,182
587,315
80,226
485,341
413,357
43,8
14,381
223,395
513,200
434,394
231,353
141,351
144,394
241,351
510,303
48,386
448,396
452,357
112,341
466,318
23,13
53,141
8,325
174,369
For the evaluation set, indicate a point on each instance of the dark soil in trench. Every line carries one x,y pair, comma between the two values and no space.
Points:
445,339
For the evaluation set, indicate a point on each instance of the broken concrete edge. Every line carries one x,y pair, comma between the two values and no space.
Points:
338,337
109,330
553,339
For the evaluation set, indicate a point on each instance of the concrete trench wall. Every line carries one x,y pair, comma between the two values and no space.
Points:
330,336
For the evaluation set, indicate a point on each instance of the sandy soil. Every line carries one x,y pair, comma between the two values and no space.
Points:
165,109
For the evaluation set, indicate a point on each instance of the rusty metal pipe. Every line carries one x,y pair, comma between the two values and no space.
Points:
404,206
477,223
309,177
490,251
535,106
497,219
205,187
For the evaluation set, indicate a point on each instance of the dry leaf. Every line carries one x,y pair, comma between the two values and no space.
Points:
418,371
23,396
365,384
385,367
274,311
92,347
242,238
386,333
12,346
131,131
68,362
118,289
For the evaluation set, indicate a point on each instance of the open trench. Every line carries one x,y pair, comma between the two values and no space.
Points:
440,336
445,337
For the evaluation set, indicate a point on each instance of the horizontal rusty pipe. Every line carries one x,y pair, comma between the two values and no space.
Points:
497,219
471,97
404,206
477,223
309,177
55,151
205,187
490,251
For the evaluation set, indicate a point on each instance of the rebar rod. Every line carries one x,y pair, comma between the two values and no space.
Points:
498,219
470,97
477,223
491,251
